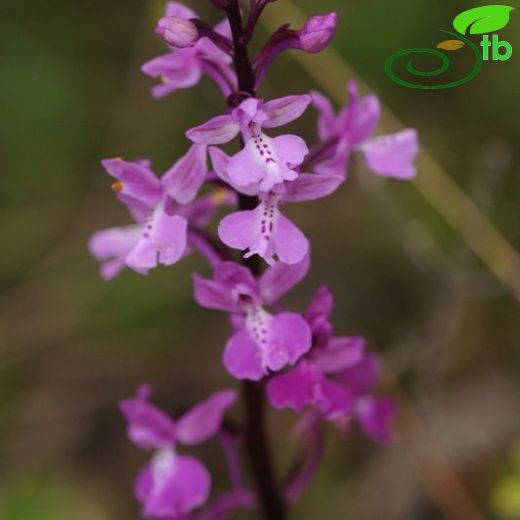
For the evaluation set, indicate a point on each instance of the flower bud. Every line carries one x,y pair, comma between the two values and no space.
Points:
317,32
177,32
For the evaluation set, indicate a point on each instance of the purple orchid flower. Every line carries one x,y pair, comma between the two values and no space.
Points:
264,161
334,378
172,485
161,208
264,230
307,384
182,68
352,130
262,342
373,414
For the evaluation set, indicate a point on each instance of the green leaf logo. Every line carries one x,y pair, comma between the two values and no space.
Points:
482,20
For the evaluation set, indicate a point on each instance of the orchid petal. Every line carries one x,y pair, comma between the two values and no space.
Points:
219,130
393,155
241,357
148,426
172,485
184,179
281,278
112,246
312,186
291,148
327,124
284,110
204,420
136,181
220,162
289,243
163,241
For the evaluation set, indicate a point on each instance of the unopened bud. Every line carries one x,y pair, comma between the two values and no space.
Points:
177,32
317,32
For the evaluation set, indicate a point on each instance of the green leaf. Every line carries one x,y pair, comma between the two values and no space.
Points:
482,20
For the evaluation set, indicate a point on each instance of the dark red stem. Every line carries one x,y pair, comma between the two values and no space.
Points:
257,444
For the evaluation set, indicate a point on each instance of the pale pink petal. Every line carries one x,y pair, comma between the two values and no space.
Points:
312,186
213,295
242,358
112,246
284,110
239,230
244,168
336,163
236,276
204,420
220,161
247,111
393,155
360,119
163,241
230,281
289,243
289,340
172,485
148,426
136,181
176,70
184,179
327,124
219,130
280,278
341,353
290,148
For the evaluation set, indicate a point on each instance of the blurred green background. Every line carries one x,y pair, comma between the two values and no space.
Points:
71,345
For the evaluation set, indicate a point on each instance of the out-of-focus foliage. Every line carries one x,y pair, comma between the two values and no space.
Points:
71,346
506,497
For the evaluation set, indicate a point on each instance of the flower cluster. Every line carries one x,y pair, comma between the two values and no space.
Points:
293,358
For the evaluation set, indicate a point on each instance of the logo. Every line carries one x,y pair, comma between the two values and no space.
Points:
478,21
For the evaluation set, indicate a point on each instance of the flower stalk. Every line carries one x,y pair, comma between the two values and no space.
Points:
256,439
284,358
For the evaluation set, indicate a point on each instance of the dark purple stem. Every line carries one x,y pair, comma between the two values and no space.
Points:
269,497
257,7
244,70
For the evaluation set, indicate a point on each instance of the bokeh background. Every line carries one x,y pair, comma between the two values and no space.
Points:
71,345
